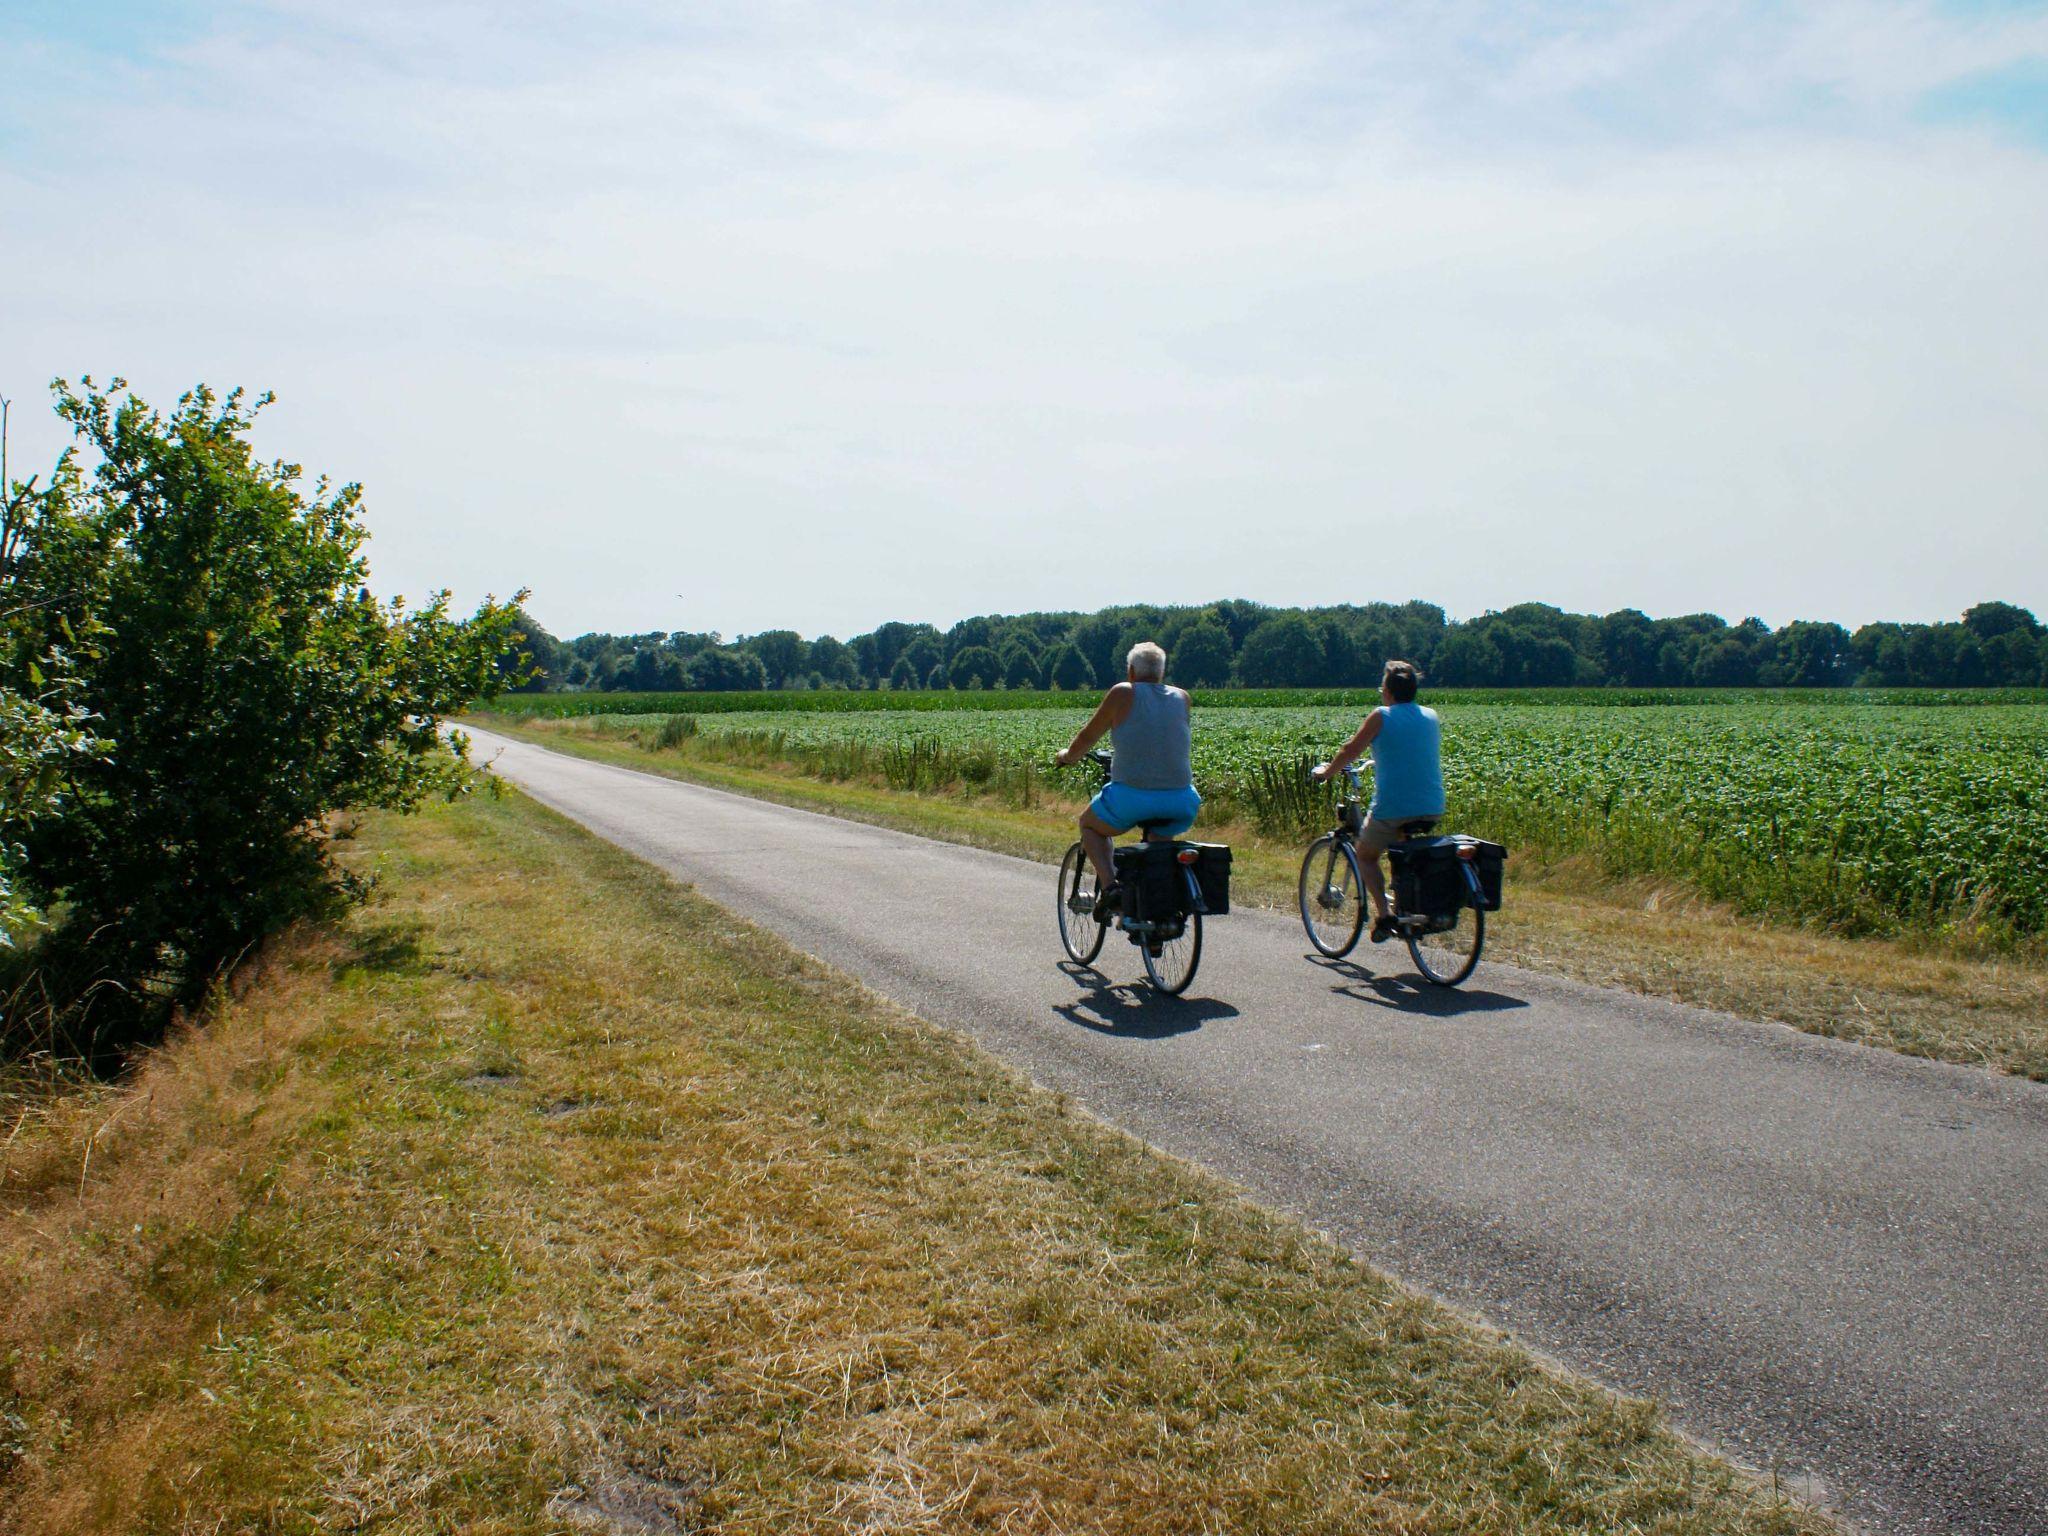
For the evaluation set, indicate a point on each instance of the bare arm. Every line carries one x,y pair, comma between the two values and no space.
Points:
1114,709
1349,752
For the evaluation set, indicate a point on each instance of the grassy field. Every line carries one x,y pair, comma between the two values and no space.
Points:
544,1195
563,706
1877,816
1926,991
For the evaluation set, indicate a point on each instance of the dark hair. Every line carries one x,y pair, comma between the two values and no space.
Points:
1401,679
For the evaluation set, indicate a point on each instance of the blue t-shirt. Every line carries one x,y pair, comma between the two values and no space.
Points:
1407,763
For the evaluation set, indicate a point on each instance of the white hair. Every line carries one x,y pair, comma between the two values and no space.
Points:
1147,662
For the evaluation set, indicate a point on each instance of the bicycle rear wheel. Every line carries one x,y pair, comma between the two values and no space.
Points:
1080,933
1332,895
1173,967
1447,958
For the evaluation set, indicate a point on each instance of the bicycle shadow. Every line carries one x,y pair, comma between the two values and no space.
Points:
1134,1010
1411,994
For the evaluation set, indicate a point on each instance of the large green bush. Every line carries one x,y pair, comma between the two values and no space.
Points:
245,684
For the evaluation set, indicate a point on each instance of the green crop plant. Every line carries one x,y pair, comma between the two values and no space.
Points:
1878,815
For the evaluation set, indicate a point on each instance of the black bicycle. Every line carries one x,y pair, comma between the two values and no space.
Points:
1438,895
1168,886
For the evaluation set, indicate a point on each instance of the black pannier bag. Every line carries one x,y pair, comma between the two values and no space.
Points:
1212,874
1151,879
1155,881
1429,874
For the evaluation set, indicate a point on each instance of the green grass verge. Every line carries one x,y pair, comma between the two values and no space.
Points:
548,1196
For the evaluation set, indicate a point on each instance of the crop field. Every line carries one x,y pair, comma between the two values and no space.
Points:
1864,815
559,706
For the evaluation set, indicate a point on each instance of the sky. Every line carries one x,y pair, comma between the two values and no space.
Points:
813,315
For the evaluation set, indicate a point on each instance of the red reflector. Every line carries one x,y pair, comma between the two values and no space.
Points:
1467,852
1188,855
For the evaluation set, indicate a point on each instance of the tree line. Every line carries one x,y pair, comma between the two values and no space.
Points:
1244,644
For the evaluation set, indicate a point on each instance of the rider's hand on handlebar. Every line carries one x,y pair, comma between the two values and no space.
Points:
1321,773
1067,758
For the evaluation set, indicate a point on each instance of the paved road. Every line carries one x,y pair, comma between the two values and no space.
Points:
1826,1259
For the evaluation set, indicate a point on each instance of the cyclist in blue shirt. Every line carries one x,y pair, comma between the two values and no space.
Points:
1408,778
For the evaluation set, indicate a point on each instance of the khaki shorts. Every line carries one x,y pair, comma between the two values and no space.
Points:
1376,834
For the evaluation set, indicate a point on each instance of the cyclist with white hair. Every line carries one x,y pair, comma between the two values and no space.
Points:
1151,778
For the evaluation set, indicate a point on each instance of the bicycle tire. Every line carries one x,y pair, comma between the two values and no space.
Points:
1336,888
1174,966
1080,934
1439,973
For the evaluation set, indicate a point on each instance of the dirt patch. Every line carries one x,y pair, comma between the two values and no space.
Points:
626,1503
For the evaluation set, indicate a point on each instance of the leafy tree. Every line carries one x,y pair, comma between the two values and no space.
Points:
903,675
783,652
1727,663
1283,652
970,634
534,661
938,678
1628,649
1988,621
2012,659
1814,655
653,668
34,742
1069,669
1549,662
1931,653
1239,619
725,669
923,653
1097,637
976,667
1020,671
245,682
834,663
1970,669
1201,658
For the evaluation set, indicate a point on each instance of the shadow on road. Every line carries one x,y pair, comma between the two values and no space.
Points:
1133,1010
1411,994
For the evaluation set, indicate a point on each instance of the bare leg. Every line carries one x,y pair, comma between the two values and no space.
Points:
1375,883
1095,837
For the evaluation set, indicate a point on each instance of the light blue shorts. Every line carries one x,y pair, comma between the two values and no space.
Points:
1122,807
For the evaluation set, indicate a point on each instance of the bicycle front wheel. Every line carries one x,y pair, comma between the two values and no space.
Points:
1080,933
1332,895
1170,963
1447,958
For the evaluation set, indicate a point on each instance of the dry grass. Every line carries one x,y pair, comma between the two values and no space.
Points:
550,1197
1917,997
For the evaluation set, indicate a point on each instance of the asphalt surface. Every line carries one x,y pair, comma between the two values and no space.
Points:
1827,1261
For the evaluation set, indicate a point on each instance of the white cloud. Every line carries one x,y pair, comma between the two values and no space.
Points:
824,315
